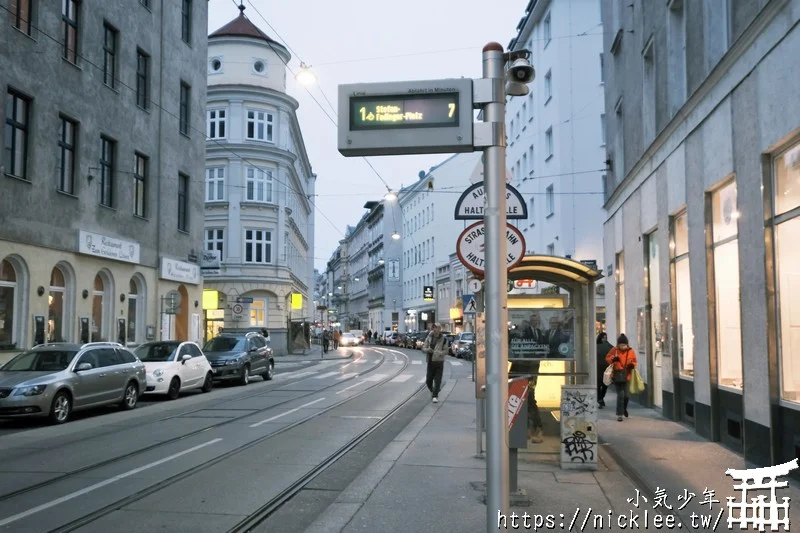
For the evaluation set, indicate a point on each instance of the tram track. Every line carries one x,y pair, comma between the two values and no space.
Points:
263,512
145,449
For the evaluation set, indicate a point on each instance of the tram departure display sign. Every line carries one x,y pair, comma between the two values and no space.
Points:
409,117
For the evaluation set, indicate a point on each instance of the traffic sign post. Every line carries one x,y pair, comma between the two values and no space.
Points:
469,305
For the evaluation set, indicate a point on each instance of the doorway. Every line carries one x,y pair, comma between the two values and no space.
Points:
182,318
654,348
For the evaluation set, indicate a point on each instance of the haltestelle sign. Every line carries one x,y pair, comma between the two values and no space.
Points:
471,203
471,252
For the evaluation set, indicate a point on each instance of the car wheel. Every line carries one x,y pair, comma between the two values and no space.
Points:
174,389
61,408
208,384
244,379
270,371
131,396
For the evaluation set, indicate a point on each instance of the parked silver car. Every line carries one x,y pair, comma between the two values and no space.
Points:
53,380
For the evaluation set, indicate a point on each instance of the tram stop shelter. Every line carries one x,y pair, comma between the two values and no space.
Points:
552,342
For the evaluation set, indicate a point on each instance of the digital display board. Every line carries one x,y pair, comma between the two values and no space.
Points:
404,111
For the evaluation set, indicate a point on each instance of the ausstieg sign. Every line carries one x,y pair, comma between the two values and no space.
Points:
471,251
470,204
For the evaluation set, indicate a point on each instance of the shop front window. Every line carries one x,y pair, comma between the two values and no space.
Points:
787,263
258,313
725,249
98,309
55,321
8,286
683,295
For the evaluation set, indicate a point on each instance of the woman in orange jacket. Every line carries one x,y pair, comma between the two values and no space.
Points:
623,358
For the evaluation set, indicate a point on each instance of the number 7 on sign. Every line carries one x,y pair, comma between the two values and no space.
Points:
452,107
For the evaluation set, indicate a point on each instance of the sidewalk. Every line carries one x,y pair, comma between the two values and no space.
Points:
429,479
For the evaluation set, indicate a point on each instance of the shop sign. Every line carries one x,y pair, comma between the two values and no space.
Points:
210,262
175,270
107,247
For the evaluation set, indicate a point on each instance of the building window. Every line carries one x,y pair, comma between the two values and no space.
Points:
21,15
56,307
532,210
683,294
69,23
8,286
109,55
259,185
602,72
215,65
259,126
215,123
257,246
619,149
260,67
66,163
107,156
142,79
620,282
215,184
145,3
676,40
15,151
548,86
786,184
140,185
99,307
649,94
603,129
186,21
725,250
183,202
548,29
551,249
215,240
258,313
185,108
550,196
548,143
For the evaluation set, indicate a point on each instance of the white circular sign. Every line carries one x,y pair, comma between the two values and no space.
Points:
471,252
237,309
475,285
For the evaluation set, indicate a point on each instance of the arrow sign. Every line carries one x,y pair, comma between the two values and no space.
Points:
470,205
468,301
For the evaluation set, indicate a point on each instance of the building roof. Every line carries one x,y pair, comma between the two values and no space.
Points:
241,26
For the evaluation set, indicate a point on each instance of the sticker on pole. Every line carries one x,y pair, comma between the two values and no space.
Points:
470,247
517,396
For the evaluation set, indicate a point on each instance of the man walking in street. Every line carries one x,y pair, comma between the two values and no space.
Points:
436,349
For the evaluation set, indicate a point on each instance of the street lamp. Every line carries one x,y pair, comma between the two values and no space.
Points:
395,235
305,76
390,196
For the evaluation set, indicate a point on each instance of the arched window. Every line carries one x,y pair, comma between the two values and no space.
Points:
98,310
57,299
8,286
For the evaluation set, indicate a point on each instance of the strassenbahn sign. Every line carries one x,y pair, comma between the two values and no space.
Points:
409,117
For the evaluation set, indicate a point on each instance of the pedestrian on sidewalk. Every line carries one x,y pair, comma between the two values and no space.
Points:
436,349
603,347
326,340
336,339
623,358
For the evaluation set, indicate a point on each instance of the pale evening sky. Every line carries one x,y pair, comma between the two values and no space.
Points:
354,41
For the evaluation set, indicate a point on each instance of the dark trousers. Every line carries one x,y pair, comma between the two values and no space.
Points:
534,416
325,344
602,388
622,397
434,377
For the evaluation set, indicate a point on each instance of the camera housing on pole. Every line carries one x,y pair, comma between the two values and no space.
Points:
519,72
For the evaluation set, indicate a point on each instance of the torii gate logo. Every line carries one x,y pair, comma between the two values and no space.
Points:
758,512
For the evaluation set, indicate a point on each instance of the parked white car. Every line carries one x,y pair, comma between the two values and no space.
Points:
173,367
348,339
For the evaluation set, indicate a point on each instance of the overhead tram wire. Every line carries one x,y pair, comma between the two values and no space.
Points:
156,105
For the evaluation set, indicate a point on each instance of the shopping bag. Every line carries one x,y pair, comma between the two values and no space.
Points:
636,384
607,375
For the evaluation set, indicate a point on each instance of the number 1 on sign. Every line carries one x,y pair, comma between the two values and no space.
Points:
452,110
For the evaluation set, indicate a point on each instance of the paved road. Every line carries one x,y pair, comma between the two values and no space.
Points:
205,461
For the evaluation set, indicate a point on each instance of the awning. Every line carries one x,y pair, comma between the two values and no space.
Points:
555,270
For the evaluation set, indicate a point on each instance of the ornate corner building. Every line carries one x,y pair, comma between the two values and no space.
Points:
259,219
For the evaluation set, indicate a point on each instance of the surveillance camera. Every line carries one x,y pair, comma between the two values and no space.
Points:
520,71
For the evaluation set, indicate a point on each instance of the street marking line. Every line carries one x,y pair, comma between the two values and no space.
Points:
350,387
347,376
416,362
402,378
91,488
397,362
421,381
290,411
326,375
360,416
456,363
299,374
376,377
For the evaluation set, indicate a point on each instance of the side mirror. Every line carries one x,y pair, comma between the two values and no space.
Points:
83,366
185,358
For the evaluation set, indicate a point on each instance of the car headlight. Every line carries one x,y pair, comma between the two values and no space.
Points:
233,362
158,372
30,391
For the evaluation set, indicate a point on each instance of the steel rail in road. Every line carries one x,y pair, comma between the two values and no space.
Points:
145,449
124,502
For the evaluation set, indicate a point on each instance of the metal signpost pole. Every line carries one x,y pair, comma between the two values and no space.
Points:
497,464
